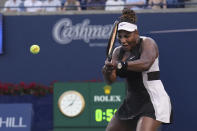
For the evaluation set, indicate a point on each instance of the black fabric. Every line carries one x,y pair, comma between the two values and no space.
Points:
135,54
153,75
137,102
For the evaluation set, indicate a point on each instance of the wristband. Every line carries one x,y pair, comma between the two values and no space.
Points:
122,66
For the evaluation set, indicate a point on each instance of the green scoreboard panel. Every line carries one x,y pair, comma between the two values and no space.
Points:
98,105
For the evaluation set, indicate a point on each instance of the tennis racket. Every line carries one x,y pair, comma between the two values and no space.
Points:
111,41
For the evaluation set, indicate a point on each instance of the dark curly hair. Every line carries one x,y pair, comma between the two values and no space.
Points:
128,15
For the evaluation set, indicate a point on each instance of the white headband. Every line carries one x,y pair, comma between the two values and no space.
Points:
127,26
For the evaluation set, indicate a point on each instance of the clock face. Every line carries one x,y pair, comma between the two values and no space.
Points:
71,103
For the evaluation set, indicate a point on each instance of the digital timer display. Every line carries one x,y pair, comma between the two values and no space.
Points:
104,115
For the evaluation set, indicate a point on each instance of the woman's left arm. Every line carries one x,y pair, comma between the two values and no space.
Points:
148,55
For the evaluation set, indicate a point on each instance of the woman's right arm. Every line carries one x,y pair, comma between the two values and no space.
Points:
109,69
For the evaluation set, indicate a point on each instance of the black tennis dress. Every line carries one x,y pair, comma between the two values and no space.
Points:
146,95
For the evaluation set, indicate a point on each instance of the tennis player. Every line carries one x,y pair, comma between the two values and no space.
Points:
146,105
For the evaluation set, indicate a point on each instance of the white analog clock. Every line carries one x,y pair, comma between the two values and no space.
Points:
71,103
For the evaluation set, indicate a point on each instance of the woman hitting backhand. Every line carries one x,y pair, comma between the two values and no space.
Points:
147,105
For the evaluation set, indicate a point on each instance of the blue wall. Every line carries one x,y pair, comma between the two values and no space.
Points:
79,59
1,33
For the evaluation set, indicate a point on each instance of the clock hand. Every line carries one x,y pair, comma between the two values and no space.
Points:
72,102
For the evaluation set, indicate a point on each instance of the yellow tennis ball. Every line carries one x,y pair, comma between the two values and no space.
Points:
35,49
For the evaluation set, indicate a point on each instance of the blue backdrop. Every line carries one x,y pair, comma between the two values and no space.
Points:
73,49
1,35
